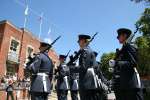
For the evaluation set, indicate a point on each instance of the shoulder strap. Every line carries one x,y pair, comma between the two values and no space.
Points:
47,57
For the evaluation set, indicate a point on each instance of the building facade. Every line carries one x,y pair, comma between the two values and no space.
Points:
16,45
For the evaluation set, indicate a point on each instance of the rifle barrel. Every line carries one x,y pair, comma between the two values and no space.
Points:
93,37
68,53
55,40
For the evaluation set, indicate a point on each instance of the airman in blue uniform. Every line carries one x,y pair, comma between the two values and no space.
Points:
42,70
126,81
87,79
62,76
74,85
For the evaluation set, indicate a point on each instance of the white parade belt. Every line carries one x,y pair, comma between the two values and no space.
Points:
44,75
66,81
138,77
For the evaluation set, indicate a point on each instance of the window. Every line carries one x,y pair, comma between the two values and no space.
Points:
13,54
11,69
29,51
14,45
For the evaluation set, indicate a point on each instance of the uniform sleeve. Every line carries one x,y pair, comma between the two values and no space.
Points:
83,59
132,53
61,72
35,65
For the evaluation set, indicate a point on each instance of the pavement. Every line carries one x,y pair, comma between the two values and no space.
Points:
53,96
111,96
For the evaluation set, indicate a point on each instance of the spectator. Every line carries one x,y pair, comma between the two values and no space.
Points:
9,90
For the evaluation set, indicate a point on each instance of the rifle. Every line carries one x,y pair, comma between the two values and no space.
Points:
50,46
92,38
133,60
67,54
129,40
77,54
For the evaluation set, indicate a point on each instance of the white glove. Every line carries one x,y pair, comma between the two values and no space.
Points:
112,63
24,65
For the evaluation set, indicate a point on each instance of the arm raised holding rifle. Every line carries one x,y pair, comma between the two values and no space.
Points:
87,80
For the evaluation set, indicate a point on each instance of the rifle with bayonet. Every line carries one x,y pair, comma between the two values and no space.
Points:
50,46
128,41
74,58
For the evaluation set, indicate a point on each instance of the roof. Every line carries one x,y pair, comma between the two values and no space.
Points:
19,29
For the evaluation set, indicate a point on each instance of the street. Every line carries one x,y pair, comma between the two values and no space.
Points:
53,96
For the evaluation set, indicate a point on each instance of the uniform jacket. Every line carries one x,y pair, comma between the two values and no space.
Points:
86,70
126,62
62,77
41,64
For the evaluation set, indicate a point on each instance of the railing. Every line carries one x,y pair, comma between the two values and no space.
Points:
22,86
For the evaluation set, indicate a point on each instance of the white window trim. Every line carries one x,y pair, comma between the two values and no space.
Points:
18,48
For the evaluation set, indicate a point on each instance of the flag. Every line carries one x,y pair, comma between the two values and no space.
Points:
40,17
26,11
49,31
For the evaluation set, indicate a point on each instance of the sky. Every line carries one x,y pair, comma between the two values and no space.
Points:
69,18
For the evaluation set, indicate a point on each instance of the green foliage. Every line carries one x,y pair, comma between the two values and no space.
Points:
137,1
144,22
143,44
104,63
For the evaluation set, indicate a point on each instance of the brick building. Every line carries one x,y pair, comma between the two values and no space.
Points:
15,46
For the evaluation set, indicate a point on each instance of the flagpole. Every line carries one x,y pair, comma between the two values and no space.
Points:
25,21
40,25
40,29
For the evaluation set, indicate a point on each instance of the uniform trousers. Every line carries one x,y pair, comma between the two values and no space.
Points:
135,94
39,96
62,94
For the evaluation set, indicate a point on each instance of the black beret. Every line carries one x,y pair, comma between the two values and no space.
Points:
44,44
62,56
84,37
124,31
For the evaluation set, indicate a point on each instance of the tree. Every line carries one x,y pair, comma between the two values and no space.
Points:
104,63
143,44
137,1
144,22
